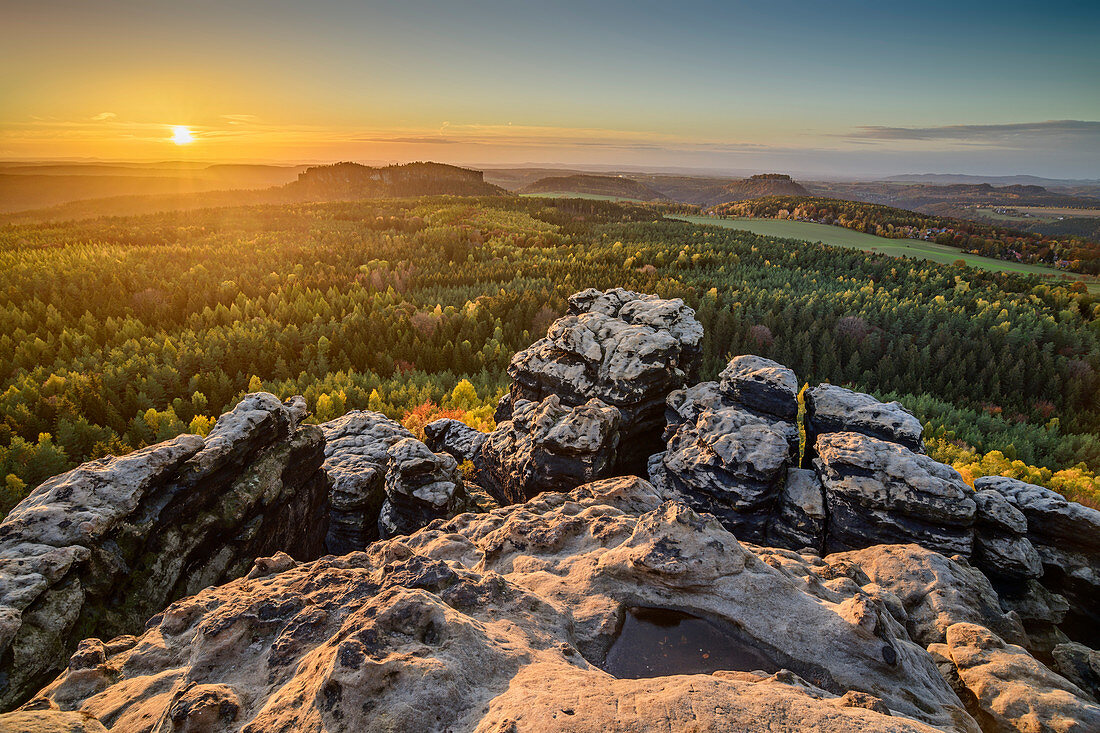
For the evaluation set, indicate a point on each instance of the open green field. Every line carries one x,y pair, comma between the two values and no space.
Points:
990,212
1053,211
840,237
1035,213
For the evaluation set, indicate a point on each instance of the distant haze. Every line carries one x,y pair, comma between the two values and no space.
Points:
841,89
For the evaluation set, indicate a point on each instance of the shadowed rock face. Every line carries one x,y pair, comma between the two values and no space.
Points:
799,520
356,447
97,550
421,486
547,446
625,349
497,621
761,385
1066,536
729,463
879,492
1001,547
457,438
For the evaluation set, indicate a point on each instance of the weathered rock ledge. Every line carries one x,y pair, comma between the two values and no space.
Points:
98,550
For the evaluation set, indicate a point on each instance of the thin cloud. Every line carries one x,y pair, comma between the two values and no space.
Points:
1060,130
104,116
411,140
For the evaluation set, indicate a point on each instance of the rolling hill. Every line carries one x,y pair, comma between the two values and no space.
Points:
611,186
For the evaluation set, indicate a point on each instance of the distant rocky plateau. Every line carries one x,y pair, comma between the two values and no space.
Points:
630,549
613,186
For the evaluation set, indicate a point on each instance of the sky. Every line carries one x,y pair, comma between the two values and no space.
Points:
844,87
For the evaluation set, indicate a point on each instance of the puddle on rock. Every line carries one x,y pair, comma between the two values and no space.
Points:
655,642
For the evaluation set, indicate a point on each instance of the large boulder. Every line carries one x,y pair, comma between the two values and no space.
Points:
505,621
727,462
97,550
761,385
547,446
883,493
1066,536
421,487
448,435
1012,691
832,409
626,349
356,448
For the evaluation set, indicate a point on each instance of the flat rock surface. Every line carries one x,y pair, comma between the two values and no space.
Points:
499,622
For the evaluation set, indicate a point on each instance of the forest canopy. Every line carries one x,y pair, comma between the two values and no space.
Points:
115,333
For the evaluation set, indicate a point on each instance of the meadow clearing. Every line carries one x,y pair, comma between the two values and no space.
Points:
841,237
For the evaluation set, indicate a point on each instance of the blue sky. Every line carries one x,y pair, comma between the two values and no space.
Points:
848,87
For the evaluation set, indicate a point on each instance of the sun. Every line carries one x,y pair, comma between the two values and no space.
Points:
181,135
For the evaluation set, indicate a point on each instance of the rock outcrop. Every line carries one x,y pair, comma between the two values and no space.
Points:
832,409
762,386
356,457
727,462
934,590
583,604
883,493
1011,691
546,446
457,438
501,622
729,445
99,549
1001,547
421,487
799,520
1066,536
626,349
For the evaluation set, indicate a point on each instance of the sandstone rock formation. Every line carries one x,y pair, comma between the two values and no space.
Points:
729,444
356,447
935,591
457,438
879,492
799,519
832,409
1001,547
727,462
546,446
1012,691
500,622
615,605
761,385
421,486
626,349
99,549
1066,536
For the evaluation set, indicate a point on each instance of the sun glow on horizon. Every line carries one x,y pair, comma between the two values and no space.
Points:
181,135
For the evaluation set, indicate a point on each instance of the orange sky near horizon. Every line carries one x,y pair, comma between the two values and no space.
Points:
845,87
